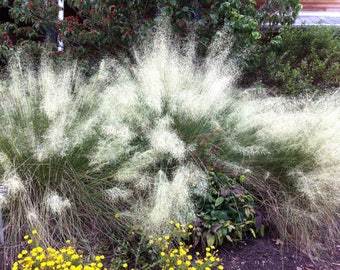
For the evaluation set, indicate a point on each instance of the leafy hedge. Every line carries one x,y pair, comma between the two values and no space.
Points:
93,29
300,60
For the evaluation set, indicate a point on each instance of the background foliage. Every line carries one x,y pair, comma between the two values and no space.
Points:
302,60
93,29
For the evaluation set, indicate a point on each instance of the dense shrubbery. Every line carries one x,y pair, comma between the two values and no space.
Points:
299,60
93,29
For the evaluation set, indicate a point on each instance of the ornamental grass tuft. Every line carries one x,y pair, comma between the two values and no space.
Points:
89,158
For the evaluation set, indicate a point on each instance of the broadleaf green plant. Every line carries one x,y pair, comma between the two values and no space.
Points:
225,213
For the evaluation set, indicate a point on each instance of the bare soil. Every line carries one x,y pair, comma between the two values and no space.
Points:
270,254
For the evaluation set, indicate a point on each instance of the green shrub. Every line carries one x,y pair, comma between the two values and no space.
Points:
300,60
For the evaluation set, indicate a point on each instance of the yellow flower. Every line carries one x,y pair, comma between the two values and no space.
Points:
178,225
179,262
182,252
117,215
190,226
34,232
26,237
68,241
243,178
75,257
50,263
167,237
220,267
200,262
15,266
39,249
172,222
151,242
125,265
29,241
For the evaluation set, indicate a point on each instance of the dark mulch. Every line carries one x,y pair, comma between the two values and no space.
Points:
268,254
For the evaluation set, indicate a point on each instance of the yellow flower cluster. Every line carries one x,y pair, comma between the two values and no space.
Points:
66,258
182,257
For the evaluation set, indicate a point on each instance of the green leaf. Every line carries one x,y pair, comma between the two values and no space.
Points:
252,232
262,230
185,9
210,239
255,35
229,238
240,234
219,201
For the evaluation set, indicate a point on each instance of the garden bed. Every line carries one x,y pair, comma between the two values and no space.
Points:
266,253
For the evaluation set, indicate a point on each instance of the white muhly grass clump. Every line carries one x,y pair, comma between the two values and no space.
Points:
120,102
35,219
113,145
5,163
144,182
321,186
165,141
13,183
56,204
134,169
171,79
116,194
172,198
56,91
310,125
194,177
55,141
32,216
119,132
171,202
